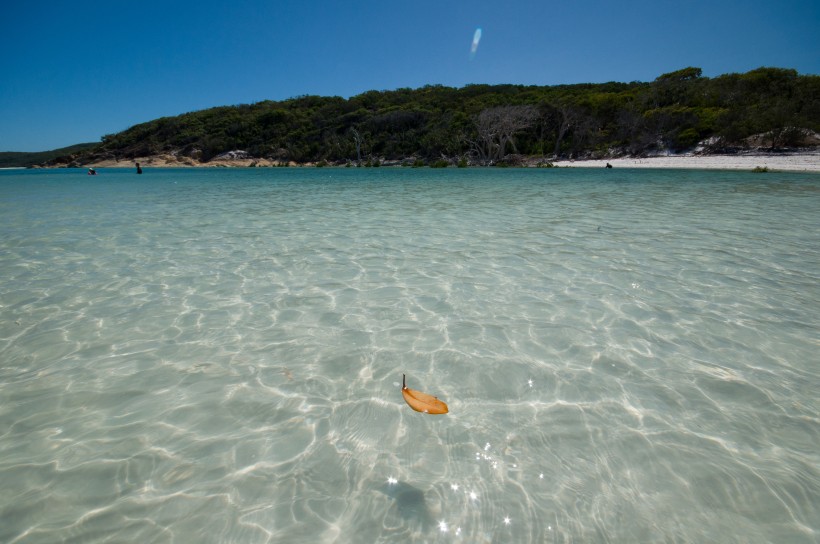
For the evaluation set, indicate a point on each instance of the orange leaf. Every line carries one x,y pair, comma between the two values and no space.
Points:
422,402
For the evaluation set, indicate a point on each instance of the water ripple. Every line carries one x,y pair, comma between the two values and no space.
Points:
216,356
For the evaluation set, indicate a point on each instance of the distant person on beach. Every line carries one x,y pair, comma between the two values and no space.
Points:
139,170
608,165
92,172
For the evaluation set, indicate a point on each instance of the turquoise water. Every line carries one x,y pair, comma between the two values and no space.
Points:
216,356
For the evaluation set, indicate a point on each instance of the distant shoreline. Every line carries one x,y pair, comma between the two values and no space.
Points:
802,161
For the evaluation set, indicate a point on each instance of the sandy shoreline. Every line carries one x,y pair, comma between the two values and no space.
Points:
794,162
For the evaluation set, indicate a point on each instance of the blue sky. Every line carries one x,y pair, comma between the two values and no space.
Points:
71,72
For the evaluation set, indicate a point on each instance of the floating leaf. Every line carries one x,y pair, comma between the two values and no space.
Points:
422,402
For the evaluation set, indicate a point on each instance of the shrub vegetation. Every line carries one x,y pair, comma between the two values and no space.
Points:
674,113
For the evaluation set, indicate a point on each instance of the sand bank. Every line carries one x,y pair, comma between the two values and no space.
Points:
796,162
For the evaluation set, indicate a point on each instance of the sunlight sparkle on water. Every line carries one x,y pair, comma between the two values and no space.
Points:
281,288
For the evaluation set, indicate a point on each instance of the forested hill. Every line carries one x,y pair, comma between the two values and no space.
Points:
767,107
10,159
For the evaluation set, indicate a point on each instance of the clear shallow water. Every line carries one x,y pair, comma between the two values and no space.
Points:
215,356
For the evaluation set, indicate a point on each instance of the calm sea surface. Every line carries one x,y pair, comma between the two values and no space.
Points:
216,356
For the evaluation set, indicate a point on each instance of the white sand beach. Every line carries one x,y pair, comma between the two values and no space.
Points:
808,161
795,162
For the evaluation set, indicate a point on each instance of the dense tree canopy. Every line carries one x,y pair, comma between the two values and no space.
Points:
675,112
